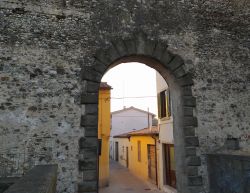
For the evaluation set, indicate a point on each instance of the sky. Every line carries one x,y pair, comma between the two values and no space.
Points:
132,80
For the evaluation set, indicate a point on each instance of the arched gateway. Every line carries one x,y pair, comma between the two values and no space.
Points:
172,68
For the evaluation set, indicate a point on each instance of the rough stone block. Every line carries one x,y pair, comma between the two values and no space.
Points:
166,57
88,186
190,151
159,50
188,111
89,98
195,189
92,87
193,161
89,121
100,67
90,131
121,48
88,73
232,144
102,57
149,48
195,181
187,91
192,170
87,164
189,101
186,80
88,142
189,131
89,175
190,121
131,46
180,72
113,54
175,63
88,153
91,109
191,141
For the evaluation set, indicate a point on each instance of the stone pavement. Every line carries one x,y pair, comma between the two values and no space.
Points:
123,181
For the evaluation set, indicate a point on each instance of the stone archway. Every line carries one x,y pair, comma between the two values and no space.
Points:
172,68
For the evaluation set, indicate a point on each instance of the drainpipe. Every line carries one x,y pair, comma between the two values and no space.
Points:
156,161
98,153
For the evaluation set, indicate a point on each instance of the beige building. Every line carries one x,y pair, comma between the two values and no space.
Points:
167,174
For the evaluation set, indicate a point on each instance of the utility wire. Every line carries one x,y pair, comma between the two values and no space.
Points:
130,97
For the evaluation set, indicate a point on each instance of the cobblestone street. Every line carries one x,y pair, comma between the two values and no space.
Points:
123,181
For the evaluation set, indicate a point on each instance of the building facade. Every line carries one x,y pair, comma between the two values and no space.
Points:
104,133
126,120
138,151
167,170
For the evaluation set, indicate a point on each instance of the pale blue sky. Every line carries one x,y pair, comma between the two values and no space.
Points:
132,80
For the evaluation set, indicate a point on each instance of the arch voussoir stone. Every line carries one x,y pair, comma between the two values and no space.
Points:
144,46
189,131
130,45
113,54
102,56
180,72
188,111
159,51
120,48
189,101
190,121
193,161
91,87
87,186
175,63
187,90
190,151
100,67
88,73
89,121
89,98
186,80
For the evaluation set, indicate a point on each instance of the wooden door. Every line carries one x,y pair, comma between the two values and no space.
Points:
170,174
152,163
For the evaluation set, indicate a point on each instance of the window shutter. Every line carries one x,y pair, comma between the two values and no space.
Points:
159,105
169,112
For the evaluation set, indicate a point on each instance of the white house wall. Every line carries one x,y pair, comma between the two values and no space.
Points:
129,120
122,144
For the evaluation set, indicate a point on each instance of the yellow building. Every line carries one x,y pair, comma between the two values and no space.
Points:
104,133
139,152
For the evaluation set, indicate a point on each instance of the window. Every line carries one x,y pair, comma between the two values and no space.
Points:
164,104
139,150
170,174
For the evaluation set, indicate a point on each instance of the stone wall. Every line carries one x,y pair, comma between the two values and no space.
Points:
44,45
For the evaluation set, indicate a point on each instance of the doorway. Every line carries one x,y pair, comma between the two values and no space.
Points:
152,167
116,151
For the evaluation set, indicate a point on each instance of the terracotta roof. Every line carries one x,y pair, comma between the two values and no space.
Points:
125,109
105,86
142,132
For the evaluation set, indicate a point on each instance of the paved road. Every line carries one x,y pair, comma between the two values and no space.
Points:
122,181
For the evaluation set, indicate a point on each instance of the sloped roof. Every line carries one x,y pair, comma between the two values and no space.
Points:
105,86
142,132
134,108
